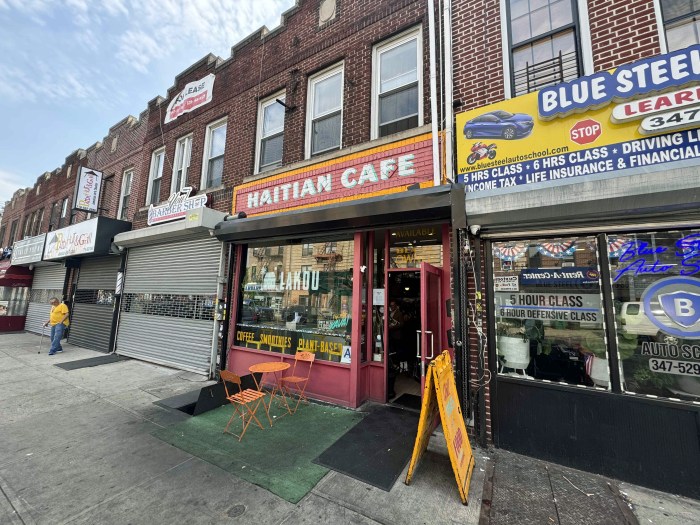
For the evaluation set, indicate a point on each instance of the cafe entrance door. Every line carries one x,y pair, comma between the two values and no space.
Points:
413,324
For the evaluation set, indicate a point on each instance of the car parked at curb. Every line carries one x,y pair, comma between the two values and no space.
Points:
499,124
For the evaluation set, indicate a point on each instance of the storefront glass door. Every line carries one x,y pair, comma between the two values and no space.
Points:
430,330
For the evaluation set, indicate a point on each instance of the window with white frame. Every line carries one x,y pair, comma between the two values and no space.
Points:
125,195
681,22
64,211
543,42
397,87
155,176
324,115
214,145
270,133
183,152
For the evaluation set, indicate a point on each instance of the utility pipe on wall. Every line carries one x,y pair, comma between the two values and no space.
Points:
449,110
433,93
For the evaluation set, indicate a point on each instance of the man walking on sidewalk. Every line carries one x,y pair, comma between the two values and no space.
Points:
58,319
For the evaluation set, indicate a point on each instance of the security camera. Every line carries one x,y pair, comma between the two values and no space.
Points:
475,229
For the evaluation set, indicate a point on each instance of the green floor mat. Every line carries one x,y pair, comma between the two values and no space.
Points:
278,458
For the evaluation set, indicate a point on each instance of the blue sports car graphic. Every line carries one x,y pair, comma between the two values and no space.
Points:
499,124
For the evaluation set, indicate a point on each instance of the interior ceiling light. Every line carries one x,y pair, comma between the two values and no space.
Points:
407,288
393,234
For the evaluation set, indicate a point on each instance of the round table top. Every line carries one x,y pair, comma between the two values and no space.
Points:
272,366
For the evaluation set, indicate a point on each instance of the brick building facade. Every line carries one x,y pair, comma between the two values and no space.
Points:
546,379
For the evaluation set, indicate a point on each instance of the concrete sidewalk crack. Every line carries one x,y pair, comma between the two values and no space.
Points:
19,514
125,491
554,498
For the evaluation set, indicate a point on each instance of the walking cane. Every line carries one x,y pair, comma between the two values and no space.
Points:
41,341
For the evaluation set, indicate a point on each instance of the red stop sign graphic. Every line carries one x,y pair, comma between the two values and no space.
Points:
586,131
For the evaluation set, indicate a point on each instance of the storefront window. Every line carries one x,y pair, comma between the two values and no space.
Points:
408,247
549,313
13,300
297,301
656,292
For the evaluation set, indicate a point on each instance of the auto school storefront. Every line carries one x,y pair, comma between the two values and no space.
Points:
174,275
589,225
49,280
323,250
86,247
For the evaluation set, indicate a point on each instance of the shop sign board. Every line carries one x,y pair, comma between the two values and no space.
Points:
381,170
440,399
328,347
578,307
87,190
641,115
572,275
176,207
77,239
506,283
194,95
28,250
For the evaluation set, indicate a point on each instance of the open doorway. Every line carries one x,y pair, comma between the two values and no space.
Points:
403,325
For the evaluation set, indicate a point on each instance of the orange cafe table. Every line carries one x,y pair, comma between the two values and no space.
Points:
276,368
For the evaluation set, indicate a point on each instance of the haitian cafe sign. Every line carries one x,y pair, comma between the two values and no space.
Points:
194,95
385,169
642,114
87,191
176,207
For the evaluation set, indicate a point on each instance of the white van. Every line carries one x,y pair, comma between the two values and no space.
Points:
633,321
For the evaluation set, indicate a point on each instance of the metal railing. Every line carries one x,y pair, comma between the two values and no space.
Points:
559,69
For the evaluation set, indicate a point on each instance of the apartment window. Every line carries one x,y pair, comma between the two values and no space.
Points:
397,87
543,43
125,195
64,211
39,220
214,154
2,235
55,215
682,23
13,232
307,249
155,177
183,152
325,112
270,133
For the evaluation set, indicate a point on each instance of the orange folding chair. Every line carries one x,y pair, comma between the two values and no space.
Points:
245,403
298,381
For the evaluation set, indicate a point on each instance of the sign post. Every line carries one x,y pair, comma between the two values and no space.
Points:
440,398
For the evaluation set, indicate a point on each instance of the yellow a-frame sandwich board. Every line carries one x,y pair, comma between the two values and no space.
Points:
440,398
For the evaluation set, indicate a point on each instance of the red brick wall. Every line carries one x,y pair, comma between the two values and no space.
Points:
477,53
622,31
282,60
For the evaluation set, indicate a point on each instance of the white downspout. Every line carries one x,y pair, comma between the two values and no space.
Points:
449,110
433,94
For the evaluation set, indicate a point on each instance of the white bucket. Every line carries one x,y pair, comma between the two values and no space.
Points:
599,372
515,351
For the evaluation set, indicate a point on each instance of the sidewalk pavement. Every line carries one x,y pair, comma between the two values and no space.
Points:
76,447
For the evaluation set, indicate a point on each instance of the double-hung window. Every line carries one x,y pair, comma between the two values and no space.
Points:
13,232
64,211
54,216
682,23
397,90
543,40
270,133
155,177
183,152
125,195
324,116
214,146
